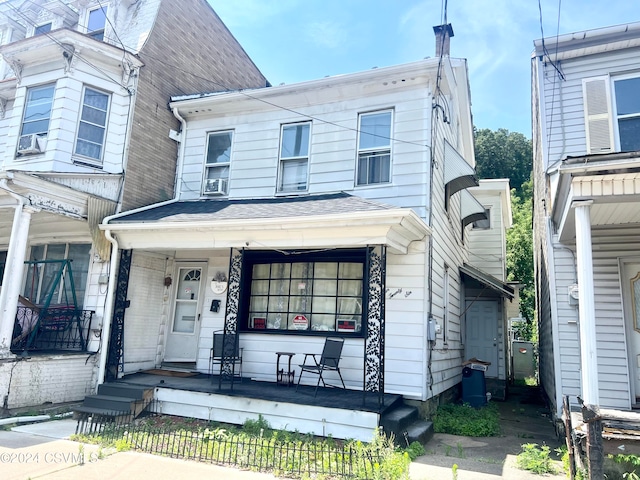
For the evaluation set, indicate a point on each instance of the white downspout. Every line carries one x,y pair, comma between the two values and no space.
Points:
108,311
183,132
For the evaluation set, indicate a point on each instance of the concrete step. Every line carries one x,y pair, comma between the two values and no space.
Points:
123,390
398,419
420,431
109,402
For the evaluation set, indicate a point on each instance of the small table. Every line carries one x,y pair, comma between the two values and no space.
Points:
283,377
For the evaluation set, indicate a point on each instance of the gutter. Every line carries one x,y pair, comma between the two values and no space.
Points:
181,148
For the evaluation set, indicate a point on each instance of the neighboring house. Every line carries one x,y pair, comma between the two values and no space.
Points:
85,133
586,113
488,254
334,207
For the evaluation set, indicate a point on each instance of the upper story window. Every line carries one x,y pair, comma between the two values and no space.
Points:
44,28
374,148
93,124
627,93
294,157
217,163
35,123
96,21
485,223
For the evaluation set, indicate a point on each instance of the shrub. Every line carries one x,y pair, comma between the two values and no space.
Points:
466,420
535,459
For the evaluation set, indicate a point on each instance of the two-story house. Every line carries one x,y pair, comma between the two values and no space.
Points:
85,132
330,208
586,110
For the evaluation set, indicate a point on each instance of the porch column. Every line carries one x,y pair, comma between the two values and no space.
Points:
12,279
586,301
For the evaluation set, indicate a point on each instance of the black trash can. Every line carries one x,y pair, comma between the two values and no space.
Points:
474,387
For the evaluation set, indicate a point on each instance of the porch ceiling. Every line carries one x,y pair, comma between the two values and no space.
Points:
321,221
615,197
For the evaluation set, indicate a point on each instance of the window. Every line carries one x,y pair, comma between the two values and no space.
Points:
374,148
628,113
45,28
40,277
217,163
294,157
93,124
484,224
96,21
311,292
3,262
37,111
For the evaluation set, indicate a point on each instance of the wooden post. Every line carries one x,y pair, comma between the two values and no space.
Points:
568,428
595,449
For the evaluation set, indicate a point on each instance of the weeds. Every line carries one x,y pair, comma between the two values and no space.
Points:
535,458
466,420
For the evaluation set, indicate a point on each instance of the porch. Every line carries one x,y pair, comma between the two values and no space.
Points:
332,412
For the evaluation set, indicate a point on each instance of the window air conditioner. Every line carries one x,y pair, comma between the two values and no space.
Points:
32,143
216,186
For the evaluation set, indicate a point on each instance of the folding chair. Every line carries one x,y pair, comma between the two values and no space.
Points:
226,352
329,360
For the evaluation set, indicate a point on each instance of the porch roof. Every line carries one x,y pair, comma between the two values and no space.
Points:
504,289
329,220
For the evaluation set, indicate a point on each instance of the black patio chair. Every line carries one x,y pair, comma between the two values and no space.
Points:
329,360
227,353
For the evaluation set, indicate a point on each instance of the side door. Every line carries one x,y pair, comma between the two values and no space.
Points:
482,334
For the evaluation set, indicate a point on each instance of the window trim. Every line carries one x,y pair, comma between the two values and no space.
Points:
487,210
377,149
282,160
84,159
100,31
254,257
40,135
207,165
615,117
40,25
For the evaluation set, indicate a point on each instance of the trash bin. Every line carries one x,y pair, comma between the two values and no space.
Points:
474,387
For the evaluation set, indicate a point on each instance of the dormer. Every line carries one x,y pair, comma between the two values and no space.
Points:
50,15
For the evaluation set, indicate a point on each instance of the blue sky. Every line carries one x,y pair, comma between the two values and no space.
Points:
297,40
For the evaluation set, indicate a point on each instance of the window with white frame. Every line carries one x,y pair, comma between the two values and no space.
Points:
35,122
92,125
217,163
96,21
294,157
41,276
374,148
627,105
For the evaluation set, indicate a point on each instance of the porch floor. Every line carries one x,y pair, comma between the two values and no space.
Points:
327,397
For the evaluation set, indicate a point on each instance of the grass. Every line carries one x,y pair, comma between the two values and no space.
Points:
536,459
468,421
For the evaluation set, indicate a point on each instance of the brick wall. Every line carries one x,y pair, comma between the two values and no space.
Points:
188,51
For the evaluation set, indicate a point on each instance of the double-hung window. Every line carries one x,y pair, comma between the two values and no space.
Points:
217,163
306,292
93,125
35,123
294,157
96,21
40,29
627,93
374,148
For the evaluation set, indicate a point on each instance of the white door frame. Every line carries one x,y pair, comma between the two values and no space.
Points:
632,335
195,336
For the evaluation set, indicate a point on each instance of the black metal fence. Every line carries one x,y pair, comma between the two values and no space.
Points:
54,329
262,453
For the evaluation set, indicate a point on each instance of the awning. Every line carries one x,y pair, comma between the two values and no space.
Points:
458,174
314,221
489,281
471,210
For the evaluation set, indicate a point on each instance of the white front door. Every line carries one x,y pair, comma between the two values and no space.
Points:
184,330
631,302
482,333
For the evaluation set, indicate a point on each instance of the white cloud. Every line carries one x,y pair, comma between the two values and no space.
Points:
327,34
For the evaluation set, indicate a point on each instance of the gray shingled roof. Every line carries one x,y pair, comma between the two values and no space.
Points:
211,210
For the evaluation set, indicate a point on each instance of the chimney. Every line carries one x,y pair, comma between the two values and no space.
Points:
443,34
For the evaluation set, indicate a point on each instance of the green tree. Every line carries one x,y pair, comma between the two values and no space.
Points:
503,154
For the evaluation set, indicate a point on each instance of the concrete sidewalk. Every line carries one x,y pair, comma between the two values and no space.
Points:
42,450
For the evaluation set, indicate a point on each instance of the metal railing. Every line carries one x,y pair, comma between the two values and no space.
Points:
53,329
219,446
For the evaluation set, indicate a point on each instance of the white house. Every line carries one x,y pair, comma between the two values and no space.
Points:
335,207
84,133
586,220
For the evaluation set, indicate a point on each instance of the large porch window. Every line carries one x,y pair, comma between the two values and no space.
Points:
304,292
